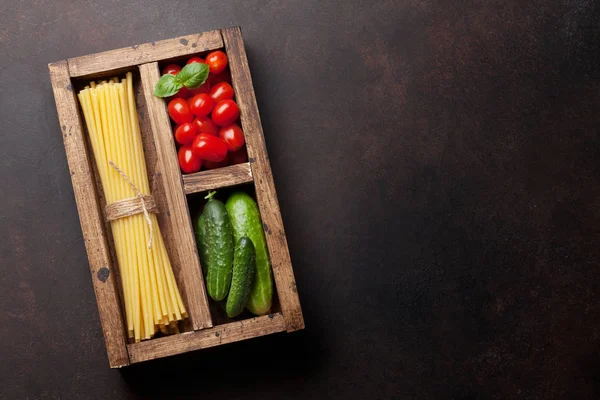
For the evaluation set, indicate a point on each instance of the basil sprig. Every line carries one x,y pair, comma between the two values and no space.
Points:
191,76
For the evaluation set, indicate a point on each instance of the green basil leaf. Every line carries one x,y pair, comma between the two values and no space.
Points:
192,75
167,86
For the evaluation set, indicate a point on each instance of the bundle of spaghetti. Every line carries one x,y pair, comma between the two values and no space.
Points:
152,299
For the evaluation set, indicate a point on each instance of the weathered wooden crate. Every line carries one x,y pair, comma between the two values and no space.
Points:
170,189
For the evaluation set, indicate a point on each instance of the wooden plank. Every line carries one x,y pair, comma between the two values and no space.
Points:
221,334
263,180
177,221
144,53
217,178
101,267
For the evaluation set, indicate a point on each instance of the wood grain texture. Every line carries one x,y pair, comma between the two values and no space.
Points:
222,334
263,180
144,53
217,178
101,267
176,217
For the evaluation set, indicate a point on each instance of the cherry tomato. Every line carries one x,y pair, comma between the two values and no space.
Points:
172,69
205,125
233,136
238,157
221,91
188,161
184,93
201,104
217,61
224,76
204,88
179,111
213,165
195,59
226,112
209,147
185,133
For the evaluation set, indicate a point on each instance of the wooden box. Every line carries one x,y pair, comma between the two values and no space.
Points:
171,189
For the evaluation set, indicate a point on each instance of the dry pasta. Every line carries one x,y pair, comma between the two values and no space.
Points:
152,299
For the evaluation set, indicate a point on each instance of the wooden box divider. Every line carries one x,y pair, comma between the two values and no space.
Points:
170,187
217,178
178,222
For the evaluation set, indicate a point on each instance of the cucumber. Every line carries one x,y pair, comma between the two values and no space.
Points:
201,243
244,266
245,220
218,241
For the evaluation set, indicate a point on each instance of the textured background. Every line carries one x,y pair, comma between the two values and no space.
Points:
437,164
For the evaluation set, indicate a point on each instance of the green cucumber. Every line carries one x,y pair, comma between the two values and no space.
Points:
218,239
244,267
245,220
200,230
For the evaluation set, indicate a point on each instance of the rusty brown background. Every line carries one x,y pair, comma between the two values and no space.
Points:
437,164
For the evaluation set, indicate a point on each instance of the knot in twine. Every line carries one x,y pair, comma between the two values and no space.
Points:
135,205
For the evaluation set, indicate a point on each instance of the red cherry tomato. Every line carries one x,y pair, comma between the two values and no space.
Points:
185,133
184,93
201,104
221,91
233,136
226,112
238,157
204,88
172,69
205,125
209,147
179,111
188,161
195,59
217,61
213,165
224,76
